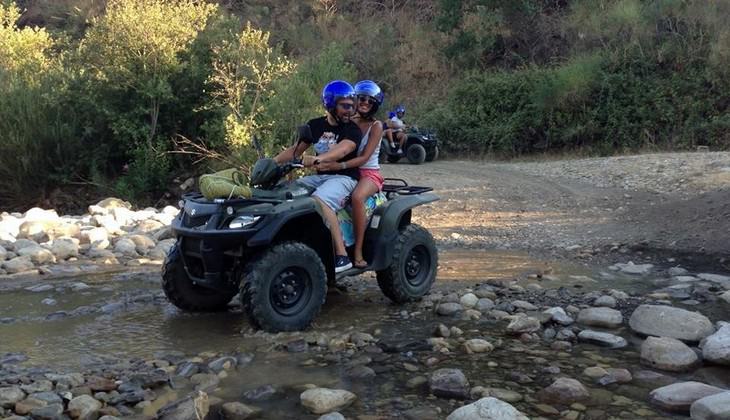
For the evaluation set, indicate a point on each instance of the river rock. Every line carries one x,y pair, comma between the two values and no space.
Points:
142,243
18,265
38,255
523,324
238,411
525,306
27,405
449,383
484,305
559,315
49,412
126,247
668,321
679,396
487,408
334,416
40,385
3,253
714,407
602,339
477,345
468,300
449,308
724,281
84,407
10,395
109,203
192,407
325,400
677,271
631,268
161,250
716,347
97,237
667,353
600,317
564,391
64,248
605,301
726,297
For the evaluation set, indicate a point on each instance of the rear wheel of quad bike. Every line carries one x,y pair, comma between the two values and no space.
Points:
430,157
412,270
416,154
284,288
183,293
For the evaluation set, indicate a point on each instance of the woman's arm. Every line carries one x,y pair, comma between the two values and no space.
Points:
376,133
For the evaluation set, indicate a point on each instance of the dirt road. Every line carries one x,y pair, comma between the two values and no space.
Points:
671,203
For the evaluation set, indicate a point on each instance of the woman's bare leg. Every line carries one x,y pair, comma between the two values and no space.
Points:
364,189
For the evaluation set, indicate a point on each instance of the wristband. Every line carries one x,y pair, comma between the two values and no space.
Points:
343,165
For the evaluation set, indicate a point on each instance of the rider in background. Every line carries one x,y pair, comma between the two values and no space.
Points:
369,98
396,128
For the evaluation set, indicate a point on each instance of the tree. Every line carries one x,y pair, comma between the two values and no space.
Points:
135,47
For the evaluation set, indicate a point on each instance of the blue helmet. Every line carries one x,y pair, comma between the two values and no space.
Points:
391,114
400,109
333,92
370,88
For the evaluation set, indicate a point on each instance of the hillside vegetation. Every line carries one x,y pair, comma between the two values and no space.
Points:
99,93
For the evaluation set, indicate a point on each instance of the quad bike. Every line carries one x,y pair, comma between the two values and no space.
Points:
274,250
419,147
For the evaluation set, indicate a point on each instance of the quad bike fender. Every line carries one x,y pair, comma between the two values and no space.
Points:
280,216
386,223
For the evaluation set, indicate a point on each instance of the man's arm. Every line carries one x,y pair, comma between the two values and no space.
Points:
338,151
290,153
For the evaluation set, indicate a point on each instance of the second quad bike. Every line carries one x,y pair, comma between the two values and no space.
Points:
274,250
419,147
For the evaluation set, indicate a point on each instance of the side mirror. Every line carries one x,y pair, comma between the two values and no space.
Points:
304,133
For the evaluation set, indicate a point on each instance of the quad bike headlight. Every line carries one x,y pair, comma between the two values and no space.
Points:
243,221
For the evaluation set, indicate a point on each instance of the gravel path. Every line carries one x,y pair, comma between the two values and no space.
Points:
674,203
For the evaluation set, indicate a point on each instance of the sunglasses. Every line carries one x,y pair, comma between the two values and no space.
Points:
346,107
365,98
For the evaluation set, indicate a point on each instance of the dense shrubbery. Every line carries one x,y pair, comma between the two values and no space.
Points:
109,88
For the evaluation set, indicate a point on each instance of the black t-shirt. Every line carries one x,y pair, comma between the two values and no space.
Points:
326,135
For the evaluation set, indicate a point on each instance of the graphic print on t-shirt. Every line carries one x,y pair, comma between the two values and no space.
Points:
324,143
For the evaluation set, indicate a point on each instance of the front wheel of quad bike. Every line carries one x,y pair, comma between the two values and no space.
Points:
183,293
430,157
284,288
412,270
416,154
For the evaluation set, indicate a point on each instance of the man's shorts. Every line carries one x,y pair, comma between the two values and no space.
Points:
333,190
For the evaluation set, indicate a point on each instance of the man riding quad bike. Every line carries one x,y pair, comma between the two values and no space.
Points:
273,248
399,141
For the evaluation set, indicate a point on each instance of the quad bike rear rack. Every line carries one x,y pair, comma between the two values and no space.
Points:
400,186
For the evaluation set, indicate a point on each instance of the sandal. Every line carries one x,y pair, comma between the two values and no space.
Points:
360,264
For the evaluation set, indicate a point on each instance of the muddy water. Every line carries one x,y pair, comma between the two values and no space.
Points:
125,316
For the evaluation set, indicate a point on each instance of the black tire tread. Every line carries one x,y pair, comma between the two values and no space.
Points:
388,279
250,286
421,154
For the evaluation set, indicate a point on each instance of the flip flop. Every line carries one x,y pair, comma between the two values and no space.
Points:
360,264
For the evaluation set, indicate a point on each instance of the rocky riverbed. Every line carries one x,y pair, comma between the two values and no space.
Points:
85,331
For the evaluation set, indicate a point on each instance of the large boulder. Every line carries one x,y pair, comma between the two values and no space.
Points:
668,321
668,353
36,230
65,229
37,214
714,407
716,348
679,396
487,408
600,317
325,400
9,227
